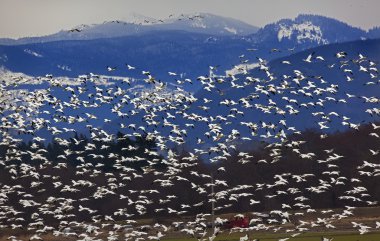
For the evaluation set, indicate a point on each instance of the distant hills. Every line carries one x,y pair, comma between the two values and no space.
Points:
303,29
189,54
195,23
309,30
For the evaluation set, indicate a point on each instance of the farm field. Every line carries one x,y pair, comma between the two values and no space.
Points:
337,236
344,230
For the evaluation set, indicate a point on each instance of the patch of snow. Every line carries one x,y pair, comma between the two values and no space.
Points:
284,32
231,30
31,52
303,31
238,68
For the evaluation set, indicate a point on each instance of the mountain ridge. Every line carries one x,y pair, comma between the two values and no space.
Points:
201,23
309,29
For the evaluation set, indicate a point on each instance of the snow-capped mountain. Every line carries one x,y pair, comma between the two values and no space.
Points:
196,23
307,31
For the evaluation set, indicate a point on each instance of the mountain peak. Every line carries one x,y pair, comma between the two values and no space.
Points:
308,29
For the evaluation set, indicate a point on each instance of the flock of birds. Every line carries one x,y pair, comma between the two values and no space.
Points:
173,117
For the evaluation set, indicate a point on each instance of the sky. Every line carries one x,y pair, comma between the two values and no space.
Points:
22,18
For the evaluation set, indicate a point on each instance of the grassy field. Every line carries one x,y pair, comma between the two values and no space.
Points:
339,236
343,232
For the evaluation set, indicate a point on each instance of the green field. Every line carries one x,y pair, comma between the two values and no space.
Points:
339,236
